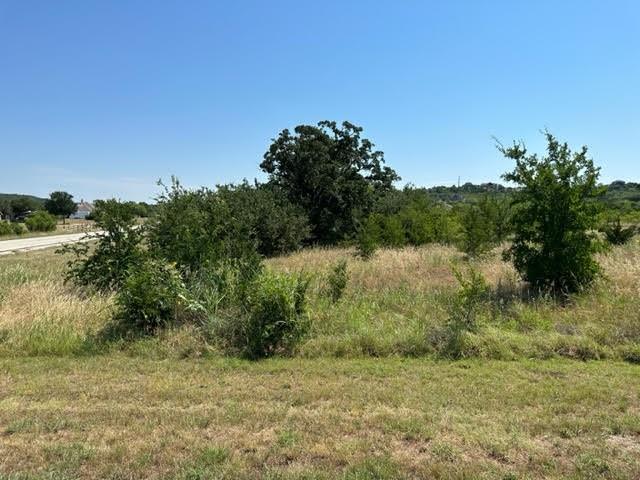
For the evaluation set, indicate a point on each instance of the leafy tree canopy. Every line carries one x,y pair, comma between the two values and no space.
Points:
60,204
331,172
23,205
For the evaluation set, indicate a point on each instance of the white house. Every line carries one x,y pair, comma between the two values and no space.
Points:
84,210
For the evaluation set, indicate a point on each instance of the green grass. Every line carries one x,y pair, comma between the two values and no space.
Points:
121,417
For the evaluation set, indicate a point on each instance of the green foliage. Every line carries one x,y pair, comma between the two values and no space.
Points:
497,212
41,221
200,228
150,296
410,218
463,311
5,228
555,209
60,204
277,225
273,319
223,286
337,281
21,206
331,173
117,252
616,234
477,233
18,228
367,239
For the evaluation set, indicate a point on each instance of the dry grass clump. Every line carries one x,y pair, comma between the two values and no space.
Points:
417,269
45,317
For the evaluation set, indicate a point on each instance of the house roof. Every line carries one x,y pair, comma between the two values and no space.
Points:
85,206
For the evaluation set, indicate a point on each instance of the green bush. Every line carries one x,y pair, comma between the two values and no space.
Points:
337,281
274,318
18,228
554,213
616,234
276,225
150,297
200,228
41,221
367,239
5,228
463,312
477,232
117,252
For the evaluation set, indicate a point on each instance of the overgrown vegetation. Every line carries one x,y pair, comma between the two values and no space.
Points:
223,270
117,251
41,221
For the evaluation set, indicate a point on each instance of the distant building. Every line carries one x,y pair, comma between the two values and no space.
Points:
84,210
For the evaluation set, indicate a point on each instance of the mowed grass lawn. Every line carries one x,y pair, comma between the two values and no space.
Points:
114,416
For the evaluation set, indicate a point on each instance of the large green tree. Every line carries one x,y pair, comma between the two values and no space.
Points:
60,204
22,205
331,172
554,213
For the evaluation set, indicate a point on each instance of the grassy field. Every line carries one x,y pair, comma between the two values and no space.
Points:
123,417
366,396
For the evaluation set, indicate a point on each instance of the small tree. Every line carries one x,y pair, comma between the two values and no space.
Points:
477,232
616,234
118,250
554,212
60,204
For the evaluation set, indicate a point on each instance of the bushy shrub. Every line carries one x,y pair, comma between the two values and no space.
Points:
337,281
616,234
367,239
117,252
277,225
5,228
200,228
463,312
497,213
554,213
18,228
41,221
150,296
274,318
477,232
418,223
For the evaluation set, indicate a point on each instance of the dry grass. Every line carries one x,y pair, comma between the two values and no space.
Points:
45,317
117,417
394,304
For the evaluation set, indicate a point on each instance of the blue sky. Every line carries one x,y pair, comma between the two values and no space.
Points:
102,98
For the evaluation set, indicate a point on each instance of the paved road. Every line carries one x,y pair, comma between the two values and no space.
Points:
38,243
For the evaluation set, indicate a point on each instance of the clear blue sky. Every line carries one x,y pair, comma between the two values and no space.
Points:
101,98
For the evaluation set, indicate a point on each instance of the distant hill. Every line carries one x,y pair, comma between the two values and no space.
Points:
11,196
